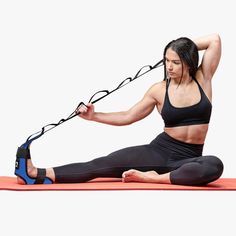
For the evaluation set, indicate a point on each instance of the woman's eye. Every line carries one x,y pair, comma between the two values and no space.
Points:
176,62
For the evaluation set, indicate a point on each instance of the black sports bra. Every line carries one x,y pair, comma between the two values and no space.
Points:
199,113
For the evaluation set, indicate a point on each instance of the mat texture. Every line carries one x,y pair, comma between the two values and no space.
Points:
10,183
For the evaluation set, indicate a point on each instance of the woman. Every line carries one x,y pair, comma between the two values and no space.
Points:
183,99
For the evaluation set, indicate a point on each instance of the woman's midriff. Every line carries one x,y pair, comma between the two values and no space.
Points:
194,134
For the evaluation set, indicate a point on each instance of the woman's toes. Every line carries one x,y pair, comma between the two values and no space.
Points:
138,176
128,173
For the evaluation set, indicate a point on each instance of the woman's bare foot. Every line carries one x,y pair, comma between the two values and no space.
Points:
32,172
139,176
145,177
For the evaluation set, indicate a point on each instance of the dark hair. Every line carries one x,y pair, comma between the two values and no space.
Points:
187,51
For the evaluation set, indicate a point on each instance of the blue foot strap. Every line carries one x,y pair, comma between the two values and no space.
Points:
21,168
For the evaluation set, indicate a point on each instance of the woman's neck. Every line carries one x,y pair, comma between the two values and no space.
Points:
184,81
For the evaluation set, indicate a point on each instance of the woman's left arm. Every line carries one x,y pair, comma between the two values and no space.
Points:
211,57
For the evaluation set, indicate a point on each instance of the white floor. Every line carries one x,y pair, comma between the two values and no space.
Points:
118,213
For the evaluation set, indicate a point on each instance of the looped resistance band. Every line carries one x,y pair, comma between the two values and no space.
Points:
104,93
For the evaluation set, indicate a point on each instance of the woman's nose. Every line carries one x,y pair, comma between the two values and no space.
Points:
169,66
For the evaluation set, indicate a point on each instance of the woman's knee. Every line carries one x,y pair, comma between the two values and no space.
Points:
215,165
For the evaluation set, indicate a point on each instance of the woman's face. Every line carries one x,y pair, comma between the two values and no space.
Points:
174,66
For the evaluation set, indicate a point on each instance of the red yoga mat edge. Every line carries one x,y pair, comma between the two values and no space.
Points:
10,183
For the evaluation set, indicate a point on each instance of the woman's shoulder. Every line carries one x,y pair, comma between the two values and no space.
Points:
157,90
159,85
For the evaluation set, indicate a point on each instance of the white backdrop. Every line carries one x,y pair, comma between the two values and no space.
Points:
54,54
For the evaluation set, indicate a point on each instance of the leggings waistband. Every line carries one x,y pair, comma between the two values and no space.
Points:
167,137
175,145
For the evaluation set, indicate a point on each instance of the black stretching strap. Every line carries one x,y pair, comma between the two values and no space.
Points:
46,128
23,152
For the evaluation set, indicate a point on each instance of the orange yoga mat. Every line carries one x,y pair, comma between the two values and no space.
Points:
10,183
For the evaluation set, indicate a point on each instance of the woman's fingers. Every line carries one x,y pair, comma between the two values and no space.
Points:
82,109
86,111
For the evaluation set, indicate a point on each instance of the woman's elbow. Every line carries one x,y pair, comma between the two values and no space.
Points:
216,38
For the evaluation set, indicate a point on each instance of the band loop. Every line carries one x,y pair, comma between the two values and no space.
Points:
49,127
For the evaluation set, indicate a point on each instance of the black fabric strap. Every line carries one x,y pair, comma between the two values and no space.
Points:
40,176
23,153
103,93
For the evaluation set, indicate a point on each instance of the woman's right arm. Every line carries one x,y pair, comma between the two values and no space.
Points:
139,111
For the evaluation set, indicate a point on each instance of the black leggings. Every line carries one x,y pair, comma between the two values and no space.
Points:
164,154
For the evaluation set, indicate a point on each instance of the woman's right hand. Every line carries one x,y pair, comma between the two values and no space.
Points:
86,112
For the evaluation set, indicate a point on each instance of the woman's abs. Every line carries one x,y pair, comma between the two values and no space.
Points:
194,134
